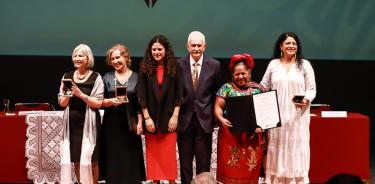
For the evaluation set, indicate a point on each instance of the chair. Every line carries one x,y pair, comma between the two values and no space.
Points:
32,106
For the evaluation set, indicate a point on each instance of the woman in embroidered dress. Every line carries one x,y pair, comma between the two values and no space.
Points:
239,156
160,96
288,152
81,119
121,144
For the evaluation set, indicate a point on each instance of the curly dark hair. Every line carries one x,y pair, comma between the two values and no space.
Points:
148,64
280,40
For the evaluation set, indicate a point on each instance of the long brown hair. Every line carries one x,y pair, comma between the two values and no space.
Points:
148,64
280,40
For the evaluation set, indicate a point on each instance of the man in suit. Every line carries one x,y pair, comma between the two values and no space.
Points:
201,78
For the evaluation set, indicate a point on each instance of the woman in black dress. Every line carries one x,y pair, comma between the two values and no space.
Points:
121,152
81,118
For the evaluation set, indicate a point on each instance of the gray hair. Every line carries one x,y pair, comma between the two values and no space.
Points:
204,178
85,49
197,34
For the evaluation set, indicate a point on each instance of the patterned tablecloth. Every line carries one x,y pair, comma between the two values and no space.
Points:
42,146
43,150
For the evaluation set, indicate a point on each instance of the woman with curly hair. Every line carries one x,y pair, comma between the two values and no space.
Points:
160,97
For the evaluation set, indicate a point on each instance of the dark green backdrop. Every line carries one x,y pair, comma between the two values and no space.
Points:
330,29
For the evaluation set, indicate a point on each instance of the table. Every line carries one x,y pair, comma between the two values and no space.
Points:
42,147
12,144
44,133
339,145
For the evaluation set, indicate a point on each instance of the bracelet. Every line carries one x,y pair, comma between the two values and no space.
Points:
146,118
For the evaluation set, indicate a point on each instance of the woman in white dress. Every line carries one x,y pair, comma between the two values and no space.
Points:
288,153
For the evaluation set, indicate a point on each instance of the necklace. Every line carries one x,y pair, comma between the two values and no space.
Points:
123,77
82,76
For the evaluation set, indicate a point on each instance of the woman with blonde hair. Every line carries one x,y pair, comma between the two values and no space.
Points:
81,118
121,144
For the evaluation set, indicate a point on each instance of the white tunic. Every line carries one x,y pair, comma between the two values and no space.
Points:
288,153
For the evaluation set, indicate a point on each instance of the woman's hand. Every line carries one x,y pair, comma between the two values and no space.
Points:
225,122
139,128
63,100
219,111
115,102
172,124
150,124
77,92
258,130
303,104
108,102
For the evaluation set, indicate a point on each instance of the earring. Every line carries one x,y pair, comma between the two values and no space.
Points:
295,56
281,54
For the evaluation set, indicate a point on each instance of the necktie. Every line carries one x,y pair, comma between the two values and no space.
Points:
195,74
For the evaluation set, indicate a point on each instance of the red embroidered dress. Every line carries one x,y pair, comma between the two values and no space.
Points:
239,157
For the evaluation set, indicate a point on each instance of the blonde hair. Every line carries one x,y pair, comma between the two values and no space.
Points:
85,49
124,52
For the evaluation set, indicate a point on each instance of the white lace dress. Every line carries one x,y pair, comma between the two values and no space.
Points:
288,153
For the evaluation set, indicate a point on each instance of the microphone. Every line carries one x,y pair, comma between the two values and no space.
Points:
52,107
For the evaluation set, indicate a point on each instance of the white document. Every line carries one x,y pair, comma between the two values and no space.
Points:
334,114
266,109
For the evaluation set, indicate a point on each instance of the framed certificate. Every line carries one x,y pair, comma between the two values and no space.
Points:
267,112
247,112
67,87
121,93
240,112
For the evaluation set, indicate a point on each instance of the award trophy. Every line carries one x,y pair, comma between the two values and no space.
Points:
298,99
121,92
67,88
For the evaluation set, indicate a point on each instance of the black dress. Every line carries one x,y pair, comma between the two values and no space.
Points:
77,110
121,158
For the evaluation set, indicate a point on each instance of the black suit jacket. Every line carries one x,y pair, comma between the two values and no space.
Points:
160,107
201,99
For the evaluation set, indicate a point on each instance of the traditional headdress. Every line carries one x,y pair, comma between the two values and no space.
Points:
247,58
